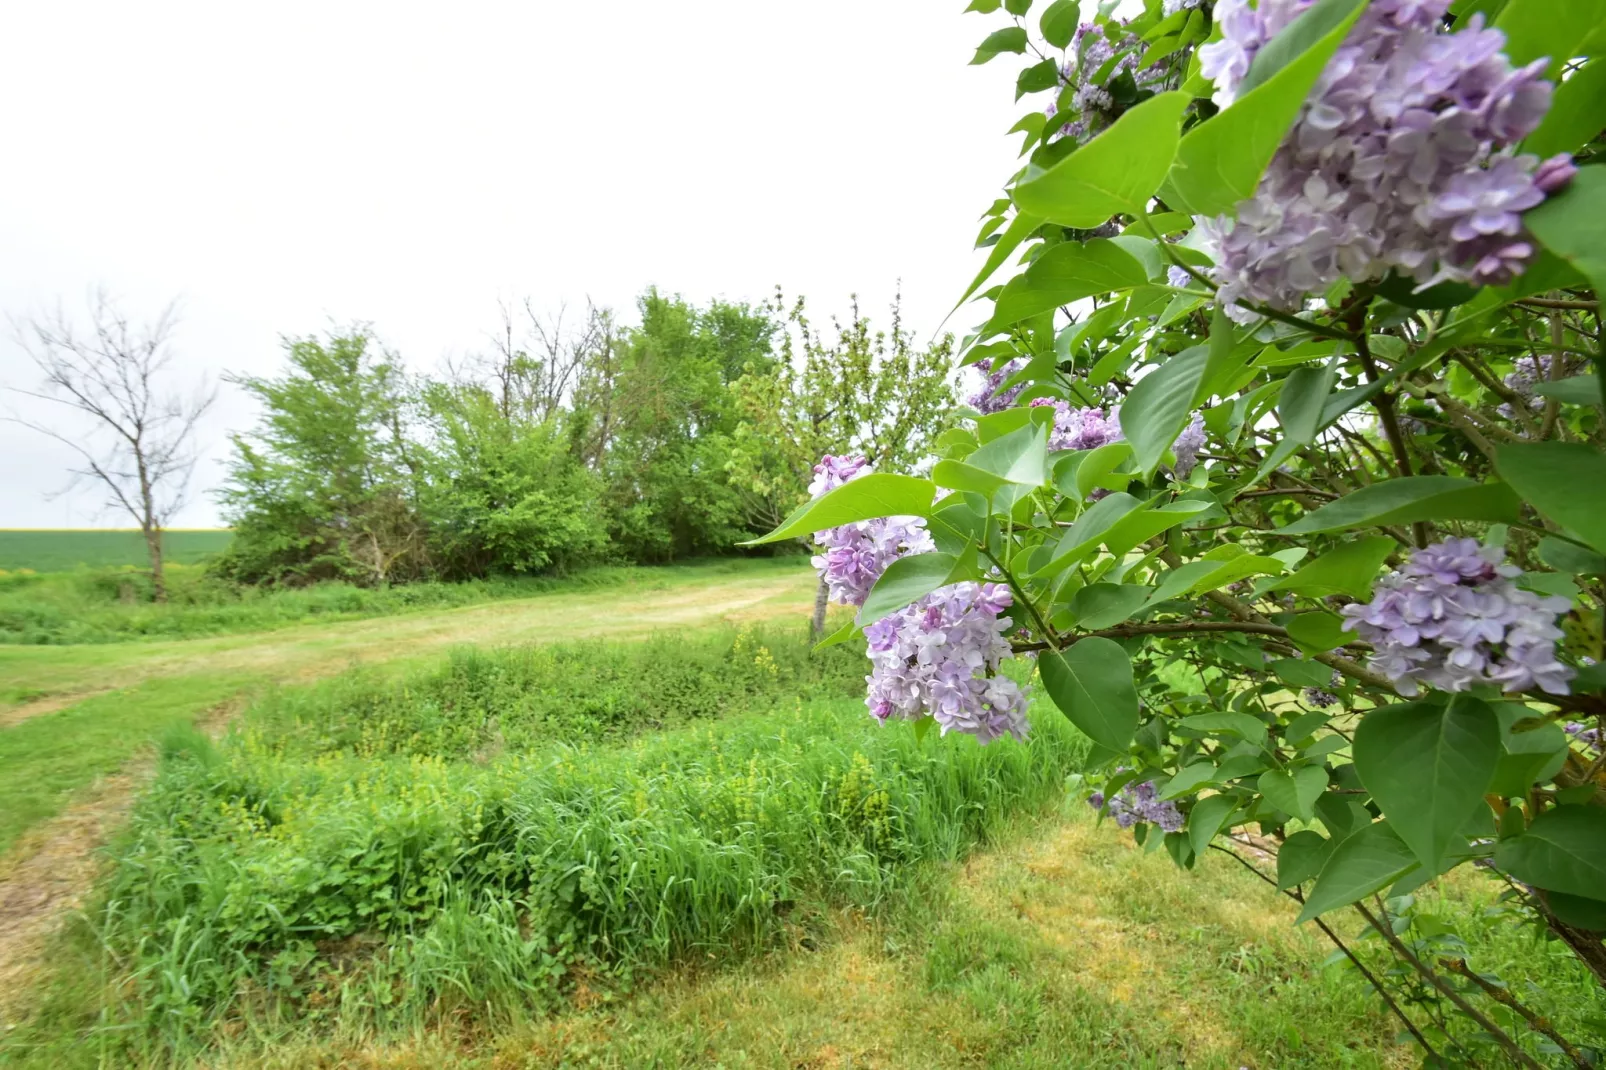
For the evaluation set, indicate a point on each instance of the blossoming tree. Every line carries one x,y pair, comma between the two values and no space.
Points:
1284,478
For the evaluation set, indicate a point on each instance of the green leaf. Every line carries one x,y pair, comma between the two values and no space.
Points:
1239,724
1348,569
1140,526
1305,32
1157,408
1225,359
1068,272
1181,579
845,634
1572,224
1427,766
1563,480
1412,498
1294,793
1564,556
1020,457
1537,29
1104,605
1404,291
1302,673
1091,682
1220,161
1577,911
1059,22
1577,113
1578,390
1009,39
1037,77
1317,633
985,7
1090,527
877,494
1301,857
1528,758
1188,779
1369,860
1118,171
1098,464
1017,7
1564,850
1206,819
1299,406
1019,229
908,579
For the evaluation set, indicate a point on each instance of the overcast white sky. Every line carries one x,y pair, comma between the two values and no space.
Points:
283,166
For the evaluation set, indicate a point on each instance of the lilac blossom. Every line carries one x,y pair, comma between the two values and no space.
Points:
1319,698
1452,618
1080,428
1092,106
1401,159
992,397
1582,733
941,656
1187,446
1139,802
1531,370
853,556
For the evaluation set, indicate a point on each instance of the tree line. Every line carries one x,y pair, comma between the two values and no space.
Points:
568,440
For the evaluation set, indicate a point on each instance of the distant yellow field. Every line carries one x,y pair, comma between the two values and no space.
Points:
63,549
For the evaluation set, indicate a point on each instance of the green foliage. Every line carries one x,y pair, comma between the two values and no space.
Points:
864,391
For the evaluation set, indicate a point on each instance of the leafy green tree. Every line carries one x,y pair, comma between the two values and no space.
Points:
501,493
324,487
865,392
660,416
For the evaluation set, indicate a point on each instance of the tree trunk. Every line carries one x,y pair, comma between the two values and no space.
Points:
153,543
822,597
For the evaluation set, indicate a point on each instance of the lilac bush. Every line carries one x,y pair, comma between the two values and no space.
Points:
1080,428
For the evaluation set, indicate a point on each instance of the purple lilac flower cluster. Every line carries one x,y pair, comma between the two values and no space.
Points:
1529,371
992,397
1583,734
1187,446
941,656
1093,106
1452,618
1080,429
1400,159
853,556
1139,802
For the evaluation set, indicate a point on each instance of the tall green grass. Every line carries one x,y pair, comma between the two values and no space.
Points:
114,605
488,837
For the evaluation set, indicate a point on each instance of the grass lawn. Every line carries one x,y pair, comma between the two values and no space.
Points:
99,705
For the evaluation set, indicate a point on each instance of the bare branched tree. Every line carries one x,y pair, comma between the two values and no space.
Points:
536,359
139,446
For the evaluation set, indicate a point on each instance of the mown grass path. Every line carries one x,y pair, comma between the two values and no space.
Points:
75,749
80,712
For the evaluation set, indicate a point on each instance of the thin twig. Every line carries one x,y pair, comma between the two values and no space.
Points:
1500,1036
1504,997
